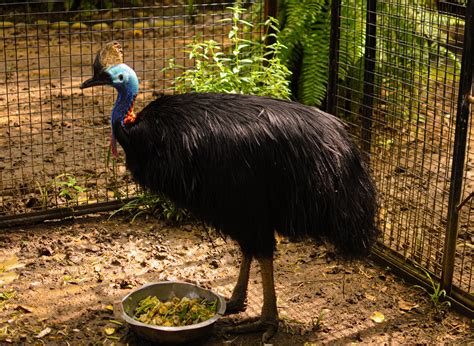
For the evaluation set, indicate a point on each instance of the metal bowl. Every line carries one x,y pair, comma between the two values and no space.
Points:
165,291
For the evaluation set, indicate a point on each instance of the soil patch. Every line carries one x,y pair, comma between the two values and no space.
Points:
66,276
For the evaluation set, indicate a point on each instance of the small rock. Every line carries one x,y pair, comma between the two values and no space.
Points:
100,26
351,300
6,24
45,251
141,25
59,25
79,26
121,24
41,22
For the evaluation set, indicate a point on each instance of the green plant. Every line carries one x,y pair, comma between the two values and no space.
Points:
436,294
87,4
305,27
294,326
68,188
248,65
152,204
44,194
4,296
412,52
191,11
318,320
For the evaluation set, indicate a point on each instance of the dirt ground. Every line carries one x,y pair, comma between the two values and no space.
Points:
59,282
64,276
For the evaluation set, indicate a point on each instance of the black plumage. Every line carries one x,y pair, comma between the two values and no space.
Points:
248,166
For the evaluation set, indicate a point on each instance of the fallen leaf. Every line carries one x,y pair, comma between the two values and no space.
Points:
10,264
109,330
109,308
116,322
24,308
6,265
377,317
370,297
43,333
406,306
7,277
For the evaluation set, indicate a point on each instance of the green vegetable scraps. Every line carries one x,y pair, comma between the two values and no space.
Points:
176,312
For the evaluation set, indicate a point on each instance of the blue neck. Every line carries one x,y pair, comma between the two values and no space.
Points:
124,101
127,91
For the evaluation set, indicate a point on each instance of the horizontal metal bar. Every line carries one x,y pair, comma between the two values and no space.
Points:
460,301
60,213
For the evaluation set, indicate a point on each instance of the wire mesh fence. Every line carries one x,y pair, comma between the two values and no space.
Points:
400,96
399,67
55,149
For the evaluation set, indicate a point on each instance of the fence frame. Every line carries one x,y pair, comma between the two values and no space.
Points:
460,299
459,153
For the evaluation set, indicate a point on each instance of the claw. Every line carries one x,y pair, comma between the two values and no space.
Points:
235,306
269,327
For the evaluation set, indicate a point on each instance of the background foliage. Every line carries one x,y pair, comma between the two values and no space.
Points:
405,24
305,27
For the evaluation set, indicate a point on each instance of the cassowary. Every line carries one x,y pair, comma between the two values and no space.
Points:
249,166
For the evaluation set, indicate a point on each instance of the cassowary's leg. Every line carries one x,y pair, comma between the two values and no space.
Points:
268,321
236,302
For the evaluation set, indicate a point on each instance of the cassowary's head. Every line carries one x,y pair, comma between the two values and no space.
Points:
109,69
119,76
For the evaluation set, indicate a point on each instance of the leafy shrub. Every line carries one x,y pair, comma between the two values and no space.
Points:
248,65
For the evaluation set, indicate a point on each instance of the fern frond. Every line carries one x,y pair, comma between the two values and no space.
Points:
314,70
306,35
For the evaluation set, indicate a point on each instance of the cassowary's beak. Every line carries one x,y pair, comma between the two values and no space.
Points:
102,78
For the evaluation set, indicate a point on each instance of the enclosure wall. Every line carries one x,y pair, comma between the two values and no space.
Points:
399,71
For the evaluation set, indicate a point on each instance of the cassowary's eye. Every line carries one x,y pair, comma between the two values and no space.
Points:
120,76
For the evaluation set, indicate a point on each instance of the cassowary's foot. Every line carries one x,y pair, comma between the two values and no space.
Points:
268,321
268,326
235,305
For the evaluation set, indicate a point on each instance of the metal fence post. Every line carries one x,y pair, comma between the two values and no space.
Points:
270,8
459,153
334,56
369,68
